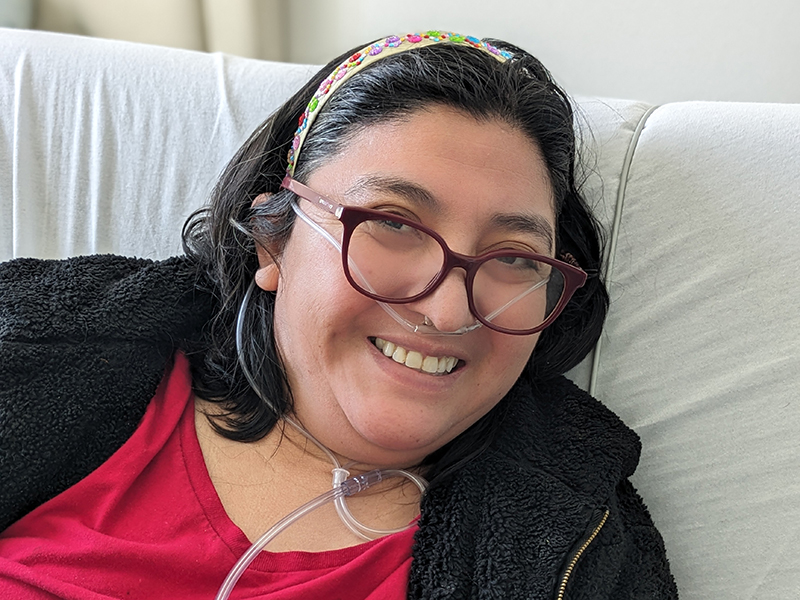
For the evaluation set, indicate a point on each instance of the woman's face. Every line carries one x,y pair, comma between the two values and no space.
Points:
468,180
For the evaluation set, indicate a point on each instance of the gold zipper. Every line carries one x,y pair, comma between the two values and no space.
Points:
568,573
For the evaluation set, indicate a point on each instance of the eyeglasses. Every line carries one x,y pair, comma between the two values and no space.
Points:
395,260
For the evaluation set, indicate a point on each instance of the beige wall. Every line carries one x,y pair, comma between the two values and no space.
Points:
245,27
172,23
654,50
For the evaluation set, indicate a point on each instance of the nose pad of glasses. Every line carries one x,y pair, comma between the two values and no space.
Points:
416,323
446,309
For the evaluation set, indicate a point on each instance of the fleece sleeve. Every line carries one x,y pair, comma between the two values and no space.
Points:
83,345
627,560
645,572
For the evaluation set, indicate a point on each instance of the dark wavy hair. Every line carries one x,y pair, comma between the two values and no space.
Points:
222,237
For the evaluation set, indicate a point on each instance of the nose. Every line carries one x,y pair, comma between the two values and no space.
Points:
447,307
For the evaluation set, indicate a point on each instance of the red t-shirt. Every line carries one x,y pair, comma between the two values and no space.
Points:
148,524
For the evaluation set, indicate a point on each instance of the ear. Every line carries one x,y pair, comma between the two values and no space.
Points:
267,274
261,198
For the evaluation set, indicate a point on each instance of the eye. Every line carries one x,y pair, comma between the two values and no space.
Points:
390,233
516,245
393,225
393,209
515,269
520,262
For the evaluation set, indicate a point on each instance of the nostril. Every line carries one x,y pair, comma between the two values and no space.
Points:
447,307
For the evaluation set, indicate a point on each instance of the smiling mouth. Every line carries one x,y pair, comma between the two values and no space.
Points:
433,365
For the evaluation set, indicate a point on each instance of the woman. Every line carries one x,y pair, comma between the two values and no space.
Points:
404,290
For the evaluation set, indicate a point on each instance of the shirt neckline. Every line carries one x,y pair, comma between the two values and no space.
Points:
231,534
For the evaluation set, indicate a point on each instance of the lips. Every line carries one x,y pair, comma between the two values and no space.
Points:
435,365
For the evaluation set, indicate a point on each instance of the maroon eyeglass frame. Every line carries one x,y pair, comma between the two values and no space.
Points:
351,217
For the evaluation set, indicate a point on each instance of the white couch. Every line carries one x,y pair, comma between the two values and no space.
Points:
108,146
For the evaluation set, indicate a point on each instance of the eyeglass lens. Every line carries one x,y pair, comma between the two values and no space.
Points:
398,261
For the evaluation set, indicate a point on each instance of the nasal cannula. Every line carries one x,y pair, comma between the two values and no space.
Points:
342,486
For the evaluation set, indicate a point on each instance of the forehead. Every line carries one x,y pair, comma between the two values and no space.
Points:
468,166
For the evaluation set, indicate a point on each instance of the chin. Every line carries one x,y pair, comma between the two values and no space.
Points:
406,446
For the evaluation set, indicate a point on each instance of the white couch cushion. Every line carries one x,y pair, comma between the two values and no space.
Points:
701,352
607,130
108,146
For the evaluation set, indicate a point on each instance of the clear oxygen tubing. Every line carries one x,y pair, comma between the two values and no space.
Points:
347,487
340,474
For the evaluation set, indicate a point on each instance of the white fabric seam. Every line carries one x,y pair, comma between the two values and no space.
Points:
615,227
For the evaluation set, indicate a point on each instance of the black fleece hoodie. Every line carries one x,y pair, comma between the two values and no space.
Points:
546,512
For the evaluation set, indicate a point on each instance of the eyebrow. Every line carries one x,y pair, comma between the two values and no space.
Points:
399,187
529,224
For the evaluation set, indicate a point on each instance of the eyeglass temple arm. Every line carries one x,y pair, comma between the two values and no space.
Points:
515,299
335,243
312,196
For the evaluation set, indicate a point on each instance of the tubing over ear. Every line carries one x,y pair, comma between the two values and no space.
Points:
267,274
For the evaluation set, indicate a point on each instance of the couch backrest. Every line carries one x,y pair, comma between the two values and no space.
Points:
108,146
701,350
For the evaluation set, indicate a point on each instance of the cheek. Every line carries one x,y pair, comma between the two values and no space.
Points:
308,274
511,356
299,299
314,302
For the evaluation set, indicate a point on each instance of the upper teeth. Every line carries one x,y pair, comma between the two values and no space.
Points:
415,360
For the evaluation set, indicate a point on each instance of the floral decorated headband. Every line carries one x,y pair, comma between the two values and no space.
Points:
380,49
